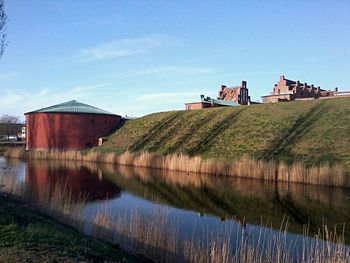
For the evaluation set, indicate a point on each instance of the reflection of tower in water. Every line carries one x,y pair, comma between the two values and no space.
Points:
76,179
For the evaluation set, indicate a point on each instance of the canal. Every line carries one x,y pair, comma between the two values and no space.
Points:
200,206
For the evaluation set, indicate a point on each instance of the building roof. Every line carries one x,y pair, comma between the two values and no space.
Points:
218,101
72,106
225,102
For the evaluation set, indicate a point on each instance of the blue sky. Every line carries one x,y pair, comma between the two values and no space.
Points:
138,57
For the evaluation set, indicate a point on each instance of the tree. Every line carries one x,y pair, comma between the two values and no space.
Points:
9,125
3,21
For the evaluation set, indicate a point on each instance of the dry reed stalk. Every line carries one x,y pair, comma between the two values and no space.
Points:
246,168
54,201
154,236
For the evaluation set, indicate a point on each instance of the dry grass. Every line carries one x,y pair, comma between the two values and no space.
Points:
154,235
246,168
55,201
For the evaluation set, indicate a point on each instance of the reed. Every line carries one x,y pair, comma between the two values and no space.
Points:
55,201
330,175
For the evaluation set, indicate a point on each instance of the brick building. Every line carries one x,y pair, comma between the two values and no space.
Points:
227,97
289,90
238,94
69,125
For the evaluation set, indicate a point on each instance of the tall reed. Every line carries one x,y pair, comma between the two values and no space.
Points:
247,168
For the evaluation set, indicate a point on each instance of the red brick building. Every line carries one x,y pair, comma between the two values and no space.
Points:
69,125
289,90
237,94
227,97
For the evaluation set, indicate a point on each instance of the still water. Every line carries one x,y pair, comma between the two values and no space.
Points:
198,203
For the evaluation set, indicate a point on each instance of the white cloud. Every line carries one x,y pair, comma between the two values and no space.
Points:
123,48
17,103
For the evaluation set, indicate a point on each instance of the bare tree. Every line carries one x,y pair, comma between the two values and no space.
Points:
9,125
3,21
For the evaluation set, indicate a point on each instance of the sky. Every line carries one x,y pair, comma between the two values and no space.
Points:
137,57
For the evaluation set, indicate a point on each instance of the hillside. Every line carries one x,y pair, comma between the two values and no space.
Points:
312,131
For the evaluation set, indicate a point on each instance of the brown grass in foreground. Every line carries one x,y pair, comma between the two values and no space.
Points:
246,168
156,236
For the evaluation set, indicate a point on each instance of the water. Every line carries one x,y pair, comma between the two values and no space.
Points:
199,204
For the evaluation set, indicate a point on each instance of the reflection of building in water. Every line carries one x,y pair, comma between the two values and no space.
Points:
78,180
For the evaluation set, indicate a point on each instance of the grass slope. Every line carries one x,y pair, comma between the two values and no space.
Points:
26,236
312,131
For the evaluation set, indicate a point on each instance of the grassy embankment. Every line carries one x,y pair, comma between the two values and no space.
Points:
26,236
305,142
313,132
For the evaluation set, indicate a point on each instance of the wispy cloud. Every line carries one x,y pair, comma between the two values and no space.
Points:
123,48
17,103
169,70
9,75
117,49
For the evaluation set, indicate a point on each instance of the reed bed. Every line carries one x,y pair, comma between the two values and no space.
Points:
329,175
55,201
156,236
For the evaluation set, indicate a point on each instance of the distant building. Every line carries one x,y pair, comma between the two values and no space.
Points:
227,97
69,125
289,90
10,131
238,94
207,102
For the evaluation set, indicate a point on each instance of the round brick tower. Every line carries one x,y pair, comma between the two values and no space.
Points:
69,125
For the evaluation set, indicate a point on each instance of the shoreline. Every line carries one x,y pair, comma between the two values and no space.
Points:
326,175
26,233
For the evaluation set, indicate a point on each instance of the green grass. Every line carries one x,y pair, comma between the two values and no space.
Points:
314,132
26,236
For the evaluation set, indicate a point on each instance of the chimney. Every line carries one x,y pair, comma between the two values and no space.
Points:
222,87
244,84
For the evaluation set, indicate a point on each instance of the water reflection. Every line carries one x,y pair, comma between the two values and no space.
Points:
249,201
78,179
190,198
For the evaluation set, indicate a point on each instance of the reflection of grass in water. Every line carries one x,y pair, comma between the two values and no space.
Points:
253,200
247,168
156,236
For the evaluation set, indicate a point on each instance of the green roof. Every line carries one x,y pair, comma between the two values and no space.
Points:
219,102
72,106
225,103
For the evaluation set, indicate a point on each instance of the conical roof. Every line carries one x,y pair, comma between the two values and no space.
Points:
72,106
